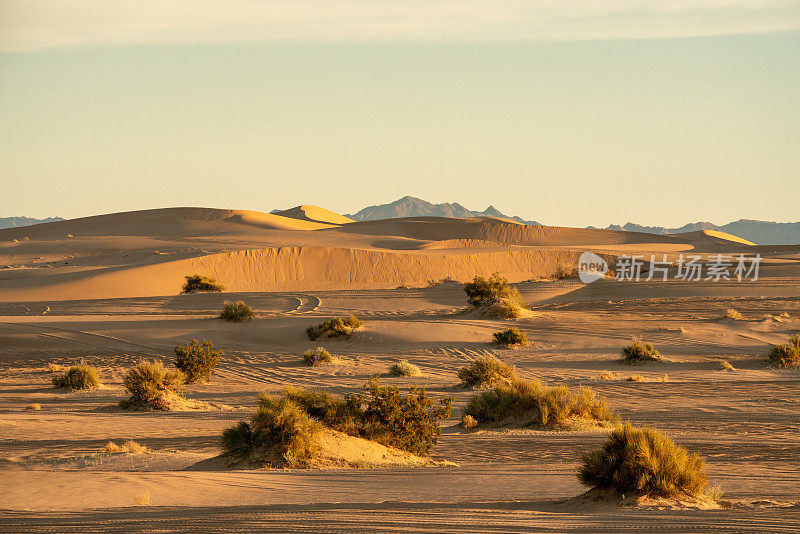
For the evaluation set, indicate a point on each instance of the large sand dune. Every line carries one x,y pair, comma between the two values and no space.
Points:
148,253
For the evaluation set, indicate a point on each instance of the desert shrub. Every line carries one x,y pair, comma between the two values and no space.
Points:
403,368
336,327
639,352
197,360
530,403
786,355
405,421
731,313
724,365
644,461
236,312
54,368
149,382
608,375
80,376
200,283
317,356
486,371
468,422
34,406
512,336
280,431
494,295
142,499
129,446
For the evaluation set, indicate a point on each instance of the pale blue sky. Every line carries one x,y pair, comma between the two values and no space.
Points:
570,128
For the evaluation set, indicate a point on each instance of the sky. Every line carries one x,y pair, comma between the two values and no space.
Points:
569,113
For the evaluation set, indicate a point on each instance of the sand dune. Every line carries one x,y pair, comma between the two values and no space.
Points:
316,214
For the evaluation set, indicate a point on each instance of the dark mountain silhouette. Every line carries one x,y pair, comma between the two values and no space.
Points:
416,207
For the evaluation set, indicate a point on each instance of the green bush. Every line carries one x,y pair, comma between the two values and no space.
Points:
80,376
317,356
643,461
196,360
638,352
236,312
280,431
486,371
149,382
482,291
200,283
403,368
530,403
786,355
512,336
383,414
336,327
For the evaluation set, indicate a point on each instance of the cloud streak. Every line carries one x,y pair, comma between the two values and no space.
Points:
28,25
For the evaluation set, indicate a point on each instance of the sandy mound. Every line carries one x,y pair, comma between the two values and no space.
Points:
335,450
315,214
273,221
595,498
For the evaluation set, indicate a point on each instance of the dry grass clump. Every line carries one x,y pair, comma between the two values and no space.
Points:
786,355
143,498
494,295
80,376
732,313
638,352
197,360
34,407
236,312
643,462
129,446
198,283
486,371
284,430
404,368
608,375
318,356
54,368
281,432
151,386
511,337
468,422
531,403
725,366
336,327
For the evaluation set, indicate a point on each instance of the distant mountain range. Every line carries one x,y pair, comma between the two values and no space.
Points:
760,232
416,207
14,222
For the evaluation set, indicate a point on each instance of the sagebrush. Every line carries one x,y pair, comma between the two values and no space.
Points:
199,283
335,327
404,368
317,356
511,337
77,377
284,429
486,371
786,355
197,360
530,403
495,295
149,383
639,351
237,312
643,461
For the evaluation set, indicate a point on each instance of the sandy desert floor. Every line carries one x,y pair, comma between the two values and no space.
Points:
58,478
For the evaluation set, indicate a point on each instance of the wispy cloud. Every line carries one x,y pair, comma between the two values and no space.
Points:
36,24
